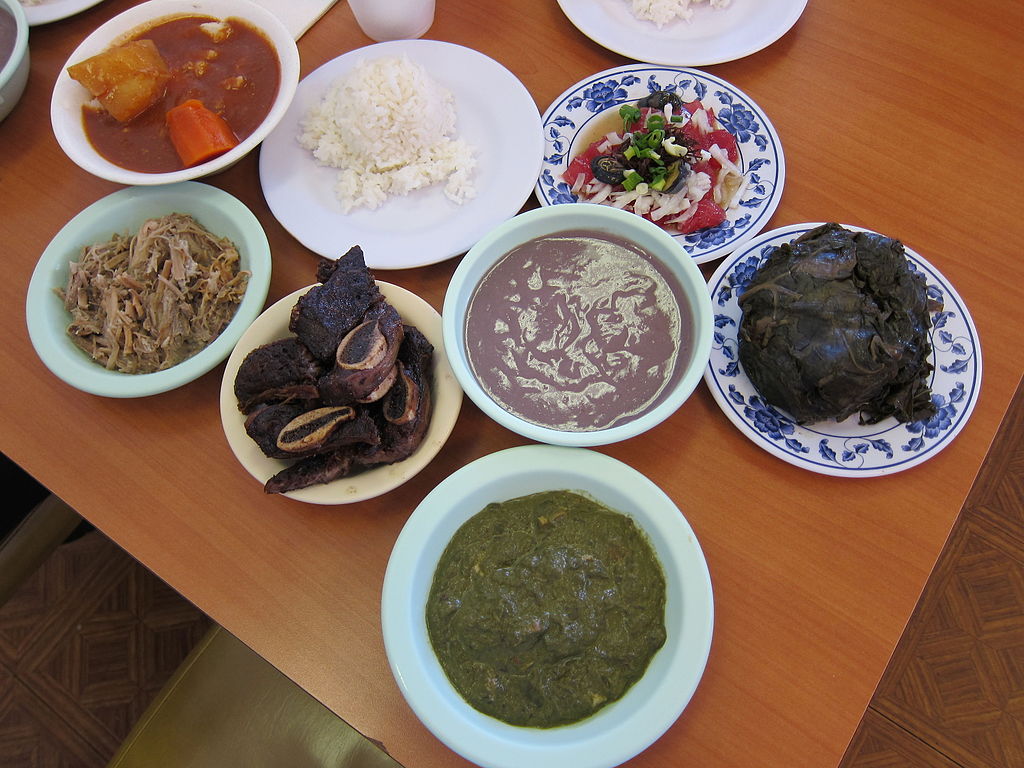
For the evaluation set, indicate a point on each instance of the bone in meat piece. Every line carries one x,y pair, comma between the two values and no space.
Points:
365,358
402,418
406,409
327,312
297,430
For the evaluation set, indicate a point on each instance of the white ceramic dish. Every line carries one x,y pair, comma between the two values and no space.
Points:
568,132
712,36
844,449
494,113
272,325
69,96
559,218
613,734
14,72
54,10
124,211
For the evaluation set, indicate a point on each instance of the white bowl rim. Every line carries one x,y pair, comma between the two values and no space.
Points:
613,734
557,218
71,365
20,41
66,127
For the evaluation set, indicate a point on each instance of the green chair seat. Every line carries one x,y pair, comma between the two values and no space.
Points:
226,706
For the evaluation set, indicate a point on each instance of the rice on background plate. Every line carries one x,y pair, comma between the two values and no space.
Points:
662,12
389,128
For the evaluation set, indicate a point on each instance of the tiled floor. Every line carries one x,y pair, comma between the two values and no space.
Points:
84,646
953,694
87,643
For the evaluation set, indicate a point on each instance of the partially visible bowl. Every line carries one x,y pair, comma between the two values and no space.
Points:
604,322
124,211
614,733
69,96
14,69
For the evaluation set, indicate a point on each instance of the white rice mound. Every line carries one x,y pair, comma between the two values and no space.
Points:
662,12
389,128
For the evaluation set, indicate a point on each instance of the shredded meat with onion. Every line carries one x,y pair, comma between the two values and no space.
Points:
145,302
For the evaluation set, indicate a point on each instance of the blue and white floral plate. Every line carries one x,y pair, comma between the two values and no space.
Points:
847,448
566,134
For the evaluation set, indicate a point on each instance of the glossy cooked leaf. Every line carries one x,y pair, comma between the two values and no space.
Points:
836,323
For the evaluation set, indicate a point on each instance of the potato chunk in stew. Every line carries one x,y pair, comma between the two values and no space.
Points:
126,79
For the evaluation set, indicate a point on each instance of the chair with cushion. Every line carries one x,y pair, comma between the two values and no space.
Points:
225,706
32,540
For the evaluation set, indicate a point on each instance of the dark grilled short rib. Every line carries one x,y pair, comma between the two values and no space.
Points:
326,312
281,370
405,411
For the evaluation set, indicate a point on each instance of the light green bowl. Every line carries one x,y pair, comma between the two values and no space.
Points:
124,211
14,73
660,245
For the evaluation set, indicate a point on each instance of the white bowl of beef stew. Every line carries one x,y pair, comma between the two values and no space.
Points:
232,58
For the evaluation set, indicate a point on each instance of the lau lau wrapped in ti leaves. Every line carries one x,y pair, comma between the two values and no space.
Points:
836,323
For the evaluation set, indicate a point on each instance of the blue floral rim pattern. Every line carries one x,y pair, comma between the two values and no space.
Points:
844,448
566,134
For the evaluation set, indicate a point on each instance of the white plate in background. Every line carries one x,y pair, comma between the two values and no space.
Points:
494,113
711,36
54,10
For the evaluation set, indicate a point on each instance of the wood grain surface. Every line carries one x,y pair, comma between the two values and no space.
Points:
901,117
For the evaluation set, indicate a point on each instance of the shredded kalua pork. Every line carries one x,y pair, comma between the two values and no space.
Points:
145,302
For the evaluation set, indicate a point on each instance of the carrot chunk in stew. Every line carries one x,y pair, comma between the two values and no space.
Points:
197,133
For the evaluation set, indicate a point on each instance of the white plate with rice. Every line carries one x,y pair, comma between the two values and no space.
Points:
494,116
697,33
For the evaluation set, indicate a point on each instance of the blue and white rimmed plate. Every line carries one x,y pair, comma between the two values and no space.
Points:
568,131
847,448
710,36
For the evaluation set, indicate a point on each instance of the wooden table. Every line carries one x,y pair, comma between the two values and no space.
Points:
902,117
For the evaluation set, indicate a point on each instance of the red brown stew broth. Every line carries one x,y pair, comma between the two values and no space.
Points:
143,144
578,331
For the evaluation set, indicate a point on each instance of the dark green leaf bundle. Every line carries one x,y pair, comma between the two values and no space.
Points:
836,323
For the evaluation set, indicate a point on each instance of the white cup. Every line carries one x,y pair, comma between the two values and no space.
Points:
393,19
